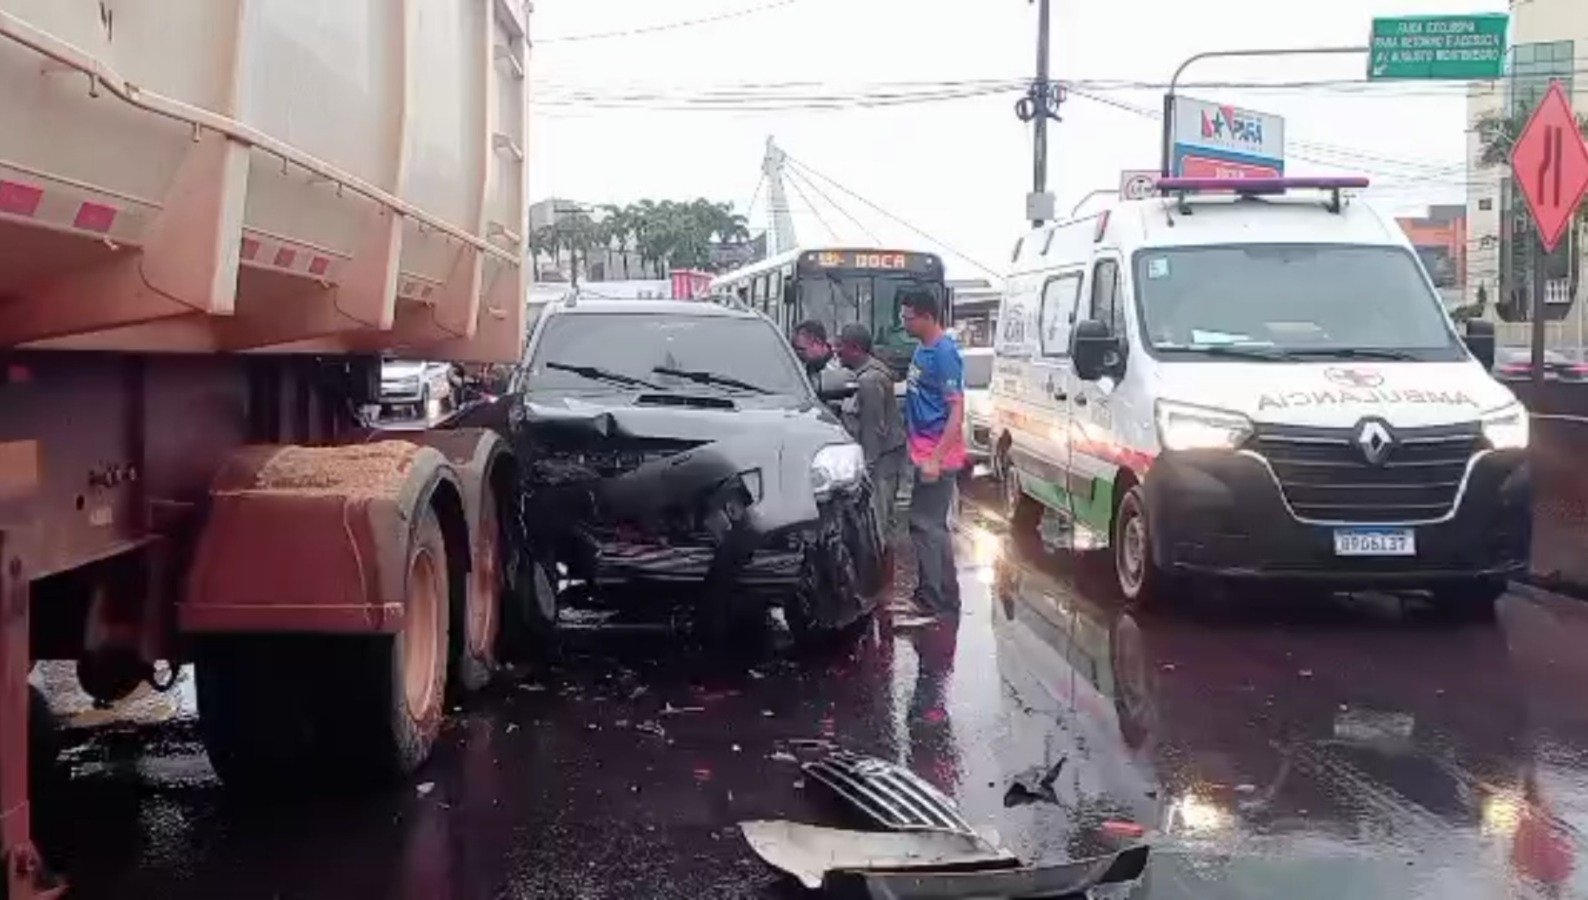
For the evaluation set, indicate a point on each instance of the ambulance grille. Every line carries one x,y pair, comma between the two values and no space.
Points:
1326,476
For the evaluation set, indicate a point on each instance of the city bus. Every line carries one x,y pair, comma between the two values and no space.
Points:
838,286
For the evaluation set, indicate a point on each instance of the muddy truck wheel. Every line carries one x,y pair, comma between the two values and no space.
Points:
477,621
331,709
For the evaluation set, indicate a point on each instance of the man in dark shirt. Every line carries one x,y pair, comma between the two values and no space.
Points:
873,417
810,342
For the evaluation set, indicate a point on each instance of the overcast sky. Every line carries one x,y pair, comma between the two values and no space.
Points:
958,169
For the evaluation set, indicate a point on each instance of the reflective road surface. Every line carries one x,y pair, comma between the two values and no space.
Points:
1359,747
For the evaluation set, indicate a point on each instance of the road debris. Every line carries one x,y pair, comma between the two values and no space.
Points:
653,728
425,788
1034,785
887,793
809,852
668,709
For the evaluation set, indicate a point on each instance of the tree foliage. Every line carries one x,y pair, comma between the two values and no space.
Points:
664,234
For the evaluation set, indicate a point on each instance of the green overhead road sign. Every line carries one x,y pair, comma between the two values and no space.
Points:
1462,48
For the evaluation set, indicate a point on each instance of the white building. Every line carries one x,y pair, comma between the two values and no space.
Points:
1548,37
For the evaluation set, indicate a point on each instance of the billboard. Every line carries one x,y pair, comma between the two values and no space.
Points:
1216,140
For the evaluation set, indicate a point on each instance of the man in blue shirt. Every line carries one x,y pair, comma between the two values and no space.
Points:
934,406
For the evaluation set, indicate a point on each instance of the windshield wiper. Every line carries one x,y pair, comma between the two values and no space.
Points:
710,378
596,373
1234,351
1348,353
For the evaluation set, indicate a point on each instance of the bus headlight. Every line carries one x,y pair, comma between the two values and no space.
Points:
1182,426
1507,428
837,466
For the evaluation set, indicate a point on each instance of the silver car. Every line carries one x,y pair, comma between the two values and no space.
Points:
417,391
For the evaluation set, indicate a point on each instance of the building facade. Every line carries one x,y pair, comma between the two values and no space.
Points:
1549,41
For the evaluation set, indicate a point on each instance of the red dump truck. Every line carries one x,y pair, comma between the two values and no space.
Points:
216,218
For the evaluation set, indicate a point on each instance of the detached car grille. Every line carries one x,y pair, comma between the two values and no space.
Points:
1325,474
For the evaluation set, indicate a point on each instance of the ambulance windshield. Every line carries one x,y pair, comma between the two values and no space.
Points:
1309,301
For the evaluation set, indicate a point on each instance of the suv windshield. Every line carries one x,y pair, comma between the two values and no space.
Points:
600,352
1308,300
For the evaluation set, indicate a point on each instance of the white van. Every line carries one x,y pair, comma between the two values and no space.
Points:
1257,380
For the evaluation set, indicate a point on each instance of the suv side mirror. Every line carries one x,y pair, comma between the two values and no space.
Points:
836,384
1096,351
1480,341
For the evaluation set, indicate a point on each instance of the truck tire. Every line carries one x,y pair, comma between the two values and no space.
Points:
478,620
1140,580
329,708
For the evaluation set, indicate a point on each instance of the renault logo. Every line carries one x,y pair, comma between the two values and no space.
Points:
1375,440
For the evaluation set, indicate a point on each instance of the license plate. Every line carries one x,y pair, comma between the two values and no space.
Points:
1374,542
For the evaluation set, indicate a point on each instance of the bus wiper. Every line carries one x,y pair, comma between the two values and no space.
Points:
710,378
1349,353
596,373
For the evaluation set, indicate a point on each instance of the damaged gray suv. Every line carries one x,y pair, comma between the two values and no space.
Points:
675,443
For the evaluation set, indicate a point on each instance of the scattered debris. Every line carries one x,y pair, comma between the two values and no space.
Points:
1245,788
531,687
809,852
652,728
1306,673
767,714
812,744
887,793
737,748
425,788
1116,828
784,756
668,709
638,692
1034,785
512,727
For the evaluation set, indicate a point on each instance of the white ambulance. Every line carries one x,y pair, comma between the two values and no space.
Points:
1257,381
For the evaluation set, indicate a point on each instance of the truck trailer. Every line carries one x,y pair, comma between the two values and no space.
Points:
216,218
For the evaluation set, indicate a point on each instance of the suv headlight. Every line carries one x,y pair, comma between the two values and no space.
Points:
1182,426
1506,428
837,466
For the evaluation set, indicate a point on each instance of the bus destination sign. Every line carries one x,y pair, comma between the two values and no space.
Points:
888,260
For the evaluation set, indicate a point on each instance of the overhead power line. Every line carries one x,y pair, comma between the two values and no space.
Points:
665,26
807,170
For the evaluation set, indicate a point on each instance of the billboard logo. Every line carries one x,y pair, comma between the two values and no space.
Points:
1230,124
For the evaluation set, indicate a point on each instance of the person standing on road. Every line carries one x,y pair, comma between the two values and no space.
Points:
934,402
810,342
873,417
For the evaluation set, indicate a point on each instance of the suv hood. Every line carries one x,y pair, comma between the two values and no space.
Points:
1404,394
651,416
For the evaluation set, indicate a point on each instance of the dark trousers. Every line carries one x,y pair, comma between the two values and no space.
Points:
931,502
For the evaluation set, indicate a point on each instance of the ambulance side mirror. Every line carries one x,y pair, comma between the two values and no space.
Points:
1096,351
1480,341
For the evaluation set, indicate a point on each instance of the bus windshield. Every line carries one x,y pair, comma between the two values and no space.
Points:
837,299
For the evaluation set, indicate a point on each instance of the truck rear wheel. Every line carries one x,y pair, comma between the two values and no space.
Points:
478,620
274,708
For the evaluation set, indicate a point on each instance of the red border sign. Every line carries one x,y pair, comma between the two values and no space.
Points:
1550,164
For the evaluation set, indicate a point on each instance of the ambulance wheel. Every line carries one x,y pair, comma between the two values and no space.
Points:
1023,510
1140,580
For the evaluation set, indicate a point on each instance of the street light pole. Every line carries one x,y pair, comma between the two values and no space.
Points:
1166,161
1039,160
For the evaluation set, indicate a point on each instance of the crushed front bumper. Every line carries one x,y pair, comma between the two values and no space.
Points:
1223,514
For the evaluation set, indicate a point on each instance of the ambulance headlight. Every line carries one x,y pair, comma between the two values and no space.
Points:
1506,428
1182,426
837,466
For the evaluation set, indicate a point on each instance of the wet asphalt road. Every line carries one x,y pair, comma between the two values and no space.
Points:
1359,747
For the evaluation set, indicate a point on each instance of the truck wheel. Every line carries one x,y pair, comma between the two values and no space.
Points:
1473,602
280,708
479,622
1140,580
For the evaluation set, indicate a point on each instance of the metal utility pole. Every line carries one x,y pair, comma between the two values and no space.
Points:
1039,105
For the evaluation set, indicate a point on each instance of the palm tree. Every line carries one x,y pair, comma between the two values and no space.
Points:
617,228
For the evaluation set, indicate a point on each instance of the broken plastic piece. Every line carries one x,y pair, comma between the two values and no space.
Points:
809,852
1053,882
887,793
